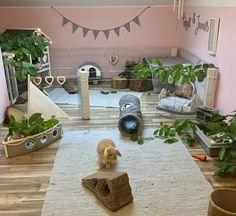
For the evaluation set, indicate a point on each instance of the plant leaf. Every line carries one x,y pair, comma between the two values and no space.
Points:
171,140
140,141
104,92
149,138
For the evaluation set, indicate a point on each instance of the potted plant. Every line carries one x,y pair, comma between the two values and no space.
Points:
19,48
140,74
29,134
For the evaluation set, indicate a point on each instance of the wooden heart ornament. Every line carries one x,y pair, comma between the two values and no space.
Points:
49,80
61,80
37,80
114,59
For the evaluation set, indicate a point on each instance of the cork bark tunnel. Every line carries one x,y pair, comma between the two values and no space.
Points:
111,188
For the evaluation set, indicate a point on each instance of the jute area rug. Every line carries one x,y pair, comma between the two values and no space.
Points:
165,180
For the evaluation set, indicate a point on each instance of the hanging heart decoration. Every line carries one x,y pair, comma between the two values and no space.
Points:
37,80
49,80
61,80
114,59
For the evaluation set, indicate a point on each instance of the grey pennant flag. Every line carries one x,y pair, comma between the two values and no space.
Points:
127,26
95,33
106,33
117,31
85,31
74,27
136,20
64,21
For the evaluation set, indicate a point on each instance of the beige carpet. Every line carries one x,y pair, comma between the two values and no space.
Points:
165,180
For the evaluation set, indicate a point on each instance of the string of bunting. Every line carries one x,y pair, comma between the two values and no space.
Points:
106,32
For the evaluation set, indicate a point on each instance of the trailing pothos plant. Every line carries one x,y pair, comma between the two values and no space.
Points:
182,73
180,127
18,49
30,126
219,128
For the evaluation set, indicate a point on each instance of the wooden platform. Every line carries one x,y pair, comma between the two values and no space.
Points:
24,179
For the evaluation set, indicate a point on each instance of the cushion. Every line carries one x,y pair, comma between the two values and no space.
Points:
173,103
184,90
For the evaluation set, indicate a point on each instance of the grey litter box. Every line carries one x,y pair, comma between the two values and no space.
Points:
212,149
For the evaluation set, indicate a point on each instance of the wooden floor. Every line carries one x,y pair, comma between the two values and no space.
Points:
24,179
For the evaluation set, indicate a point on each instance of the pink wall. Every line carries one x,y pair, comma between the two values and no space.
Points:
4,101
158,29
225,56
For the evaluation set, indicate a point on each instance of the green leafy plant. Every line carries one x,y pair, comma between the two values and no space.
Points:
140,139
30,126
145,70
128,69
181,128
141,70
216,124
218,128
222,129
182,73
19,49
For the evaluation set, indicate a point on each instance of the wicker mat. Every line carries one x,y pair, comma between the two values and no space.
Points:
164,178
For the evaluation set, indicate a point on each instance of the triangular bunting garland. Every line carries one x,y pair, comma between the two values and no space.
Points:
64,21
74,27
136,20
127,26
106,33
95,33
85,31
117,31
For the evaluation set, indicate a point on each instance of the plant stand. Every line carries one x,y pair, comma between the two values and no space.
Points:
14,147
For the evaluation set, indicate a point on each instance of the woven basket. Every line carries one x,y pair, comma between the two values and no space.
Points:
222,203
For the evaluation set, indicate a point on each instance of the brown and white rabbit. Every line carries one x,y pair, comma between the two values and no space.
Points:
107,154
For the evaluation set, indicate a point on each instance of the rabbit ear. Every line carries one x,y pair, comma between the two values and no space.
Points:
106,152
118,152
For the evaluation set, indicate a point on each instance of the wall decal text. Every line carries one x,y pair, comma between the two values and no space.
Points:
195,20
